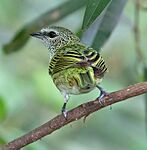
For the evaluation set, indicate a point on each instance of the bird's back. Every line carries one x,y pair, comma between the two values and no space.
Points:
76,68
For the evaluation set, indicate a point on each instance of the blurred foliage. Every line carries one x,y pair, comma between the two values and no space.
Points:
29,97
104,24
2,109
93,10
2,141
108,22
45,19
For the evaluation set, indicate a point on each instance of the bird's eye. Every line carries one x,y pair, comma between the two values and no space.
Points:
51,34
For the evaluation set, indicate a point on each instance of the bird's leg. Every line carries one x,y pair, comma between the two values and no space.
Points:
102,94
66,98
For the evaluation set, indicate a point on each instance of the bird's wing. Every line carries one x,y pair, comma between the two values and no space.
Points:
77,56
65,58
94,60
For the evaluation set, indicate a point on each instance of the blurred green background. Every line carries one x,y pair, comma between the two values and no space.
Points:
28,97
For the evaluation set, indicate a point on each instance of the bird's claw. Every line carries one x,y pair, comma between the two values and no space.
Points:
102,95
64,112
101,100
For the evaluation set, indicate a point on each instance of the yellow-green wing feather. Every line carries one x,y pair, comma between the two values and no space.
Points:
65,58
77,56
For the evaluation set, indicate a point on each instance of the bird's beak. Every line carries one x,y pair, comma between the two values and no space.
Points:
38,35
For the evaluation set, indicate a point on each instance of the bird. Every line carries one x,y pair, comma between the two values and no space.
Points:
74,67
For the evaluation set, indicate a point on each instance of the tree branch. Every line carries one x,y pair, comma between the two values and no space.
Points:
75,114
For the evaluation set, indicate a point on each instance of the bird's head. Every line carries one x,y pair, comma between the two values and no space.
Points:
56,37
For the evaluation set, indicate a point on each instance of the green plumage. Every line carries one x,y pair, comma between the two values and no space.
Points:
74,67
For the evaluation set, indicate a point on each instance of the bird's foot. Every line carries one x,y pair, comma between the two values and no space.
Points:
103,93
64,112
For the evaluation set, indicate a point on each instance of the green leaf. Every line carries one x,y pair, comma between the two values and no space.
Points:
2,141
108,22
145,73
3,109
45,19
93,10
